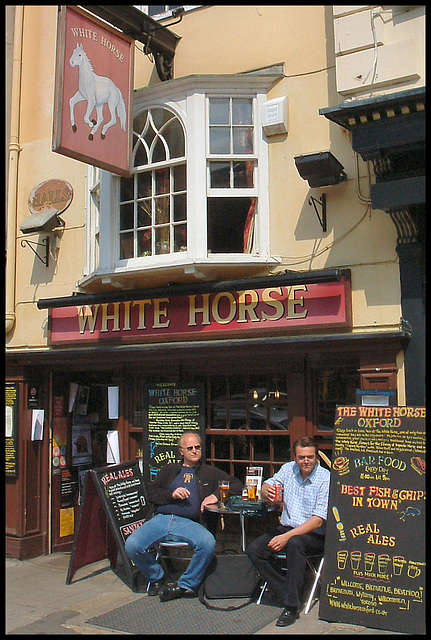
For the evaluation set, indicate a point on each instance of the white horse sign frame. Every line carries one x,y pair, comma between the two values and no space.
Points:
93,92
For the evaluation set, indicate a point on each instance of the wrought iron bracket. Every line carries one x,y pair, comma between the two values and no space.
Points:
321,203
45,243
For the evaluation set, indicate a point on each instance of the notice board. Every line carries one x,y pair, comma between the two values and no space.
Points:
113,506
171,408
374,569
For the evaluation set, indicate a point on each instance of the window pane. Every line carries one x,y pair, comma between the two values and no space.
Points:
144,184
219,140
162,180
126,189
180,207
139,122
242,111
162,240
126,246
144,213
126,216
227,218
180,238
174,136
144,243
219,175
162,210
141,158
219,111
180,177
242,175
159,152
243,140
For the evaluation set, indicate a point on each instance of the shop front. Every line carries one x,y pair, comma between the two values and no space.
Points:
266,360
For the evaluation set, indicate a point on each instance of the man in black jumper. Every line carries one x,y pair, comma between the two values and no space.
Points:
180,493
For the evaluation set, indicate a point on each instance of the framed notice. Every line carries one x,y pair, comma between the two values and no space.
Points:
171,408
93,91
374,569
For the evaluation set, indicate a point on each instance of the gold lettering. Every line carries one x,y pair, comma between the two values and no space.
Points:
244,308
292,302
106,317
141,304
275,304
85,313
204,310
232,310
160,312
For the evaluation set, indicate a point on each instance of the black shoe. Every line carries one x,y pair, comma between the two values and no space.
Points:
288,617
173,591
154,587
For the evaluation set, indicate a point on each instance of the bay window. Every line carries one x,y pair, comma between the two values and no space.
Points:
198,195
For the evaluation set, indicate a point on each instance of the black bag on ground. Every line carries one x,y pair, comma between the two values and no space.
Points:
229,575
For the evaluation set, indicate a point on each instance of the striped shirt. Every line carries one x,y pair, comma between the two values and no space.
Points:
303,498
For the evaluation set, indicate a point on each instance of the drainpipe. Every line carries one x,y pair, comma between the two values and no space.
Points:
14,149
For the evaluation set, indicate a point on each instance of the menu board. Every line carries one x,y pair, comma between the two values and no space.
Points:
116,492
121,488
374,569
171,409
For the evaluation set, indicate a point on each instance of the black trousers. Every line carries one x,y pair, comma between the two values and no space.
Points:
285,586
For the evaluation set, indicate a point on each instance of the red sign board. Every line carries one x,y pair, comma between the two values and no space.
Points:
94,84
250,312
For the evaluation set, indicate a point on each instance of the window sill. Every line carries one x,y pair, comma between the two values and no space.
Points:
184,270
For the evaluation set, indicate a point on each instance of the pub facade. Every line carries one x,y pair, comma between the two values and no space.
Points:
262,254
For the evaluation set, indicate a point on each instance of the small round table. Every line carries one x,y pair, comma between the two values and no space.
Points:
217,507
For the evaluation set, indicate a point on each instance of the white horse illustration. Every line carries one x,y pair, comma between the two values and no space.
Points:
98,91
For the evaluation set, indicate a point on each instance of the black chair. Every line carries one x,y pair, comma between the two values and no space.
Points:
314,564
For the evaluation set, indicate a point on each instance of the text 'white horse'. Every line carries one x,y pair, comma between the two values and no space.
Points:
98,91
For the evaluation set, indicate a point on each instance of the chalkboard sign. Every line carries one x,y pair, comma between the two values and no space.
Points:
113,506
374,569
170,410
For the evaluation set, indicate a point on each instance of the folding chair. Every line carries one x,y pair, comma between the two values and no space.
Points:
311,564
163,554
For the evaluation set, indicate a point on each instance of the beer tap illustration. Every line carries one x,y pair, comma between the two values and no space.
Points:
339,524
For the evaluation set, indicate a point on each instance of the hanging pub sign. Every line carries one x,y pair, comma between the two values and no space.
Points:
93,91
374,568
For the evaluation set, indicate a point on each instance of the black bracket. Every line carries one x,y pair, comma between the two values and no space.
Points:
45,243
322,203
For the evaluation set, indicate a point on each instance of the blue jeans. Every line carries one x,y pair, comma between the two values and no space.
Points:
162,528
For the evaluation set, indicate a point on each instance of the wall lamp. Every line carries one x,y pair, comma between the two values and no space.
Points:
320,169
42,222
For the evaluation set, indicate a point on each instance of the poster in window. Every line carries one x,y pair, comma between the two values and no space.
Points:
81,445
93,91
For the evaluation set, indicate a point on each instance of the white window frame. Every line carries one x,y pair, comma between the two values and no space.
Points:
188,98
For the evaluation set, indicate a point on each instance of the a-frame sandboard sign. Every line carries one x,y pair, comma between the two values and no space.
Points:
113,505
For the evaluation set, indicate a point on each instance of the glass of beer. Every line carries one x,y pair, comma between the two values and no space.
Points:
251,492
223,490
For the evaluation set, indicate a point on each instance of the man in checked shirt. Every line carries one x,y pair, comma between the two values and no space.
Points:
302,529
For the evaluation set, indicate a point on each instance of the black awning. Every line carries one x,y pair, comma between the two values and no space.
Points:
284,279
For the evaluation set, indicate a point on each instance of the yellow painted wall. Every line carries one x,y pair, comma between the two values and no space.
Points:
220,39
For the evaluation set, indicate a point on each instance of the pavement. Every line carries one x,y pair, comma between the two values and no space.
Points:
39,602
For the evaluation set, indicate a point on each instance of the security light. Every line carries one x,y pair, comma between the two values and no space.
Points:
42,222
321,169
